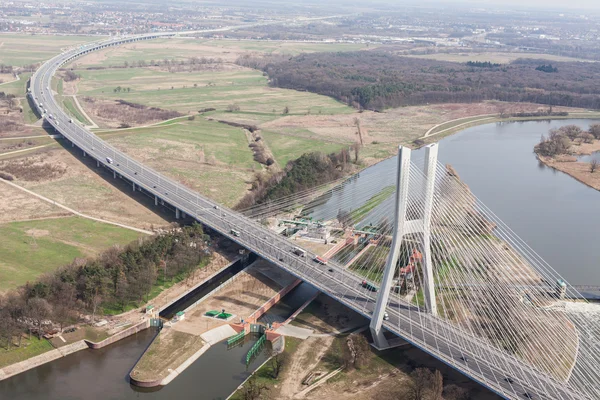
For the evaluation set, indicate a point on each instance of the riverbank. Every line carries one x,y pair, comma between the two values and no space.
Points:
579,170
448,128
116,327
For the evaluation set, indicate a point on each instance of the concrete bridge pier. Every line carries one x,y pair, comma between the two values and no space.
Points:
402,178
156,200
114,174
97,164
72,144
84,154
183,215
133,186
177,213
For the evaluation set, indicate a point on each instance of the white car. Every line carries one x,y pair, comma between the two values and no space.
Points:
386,316
109,160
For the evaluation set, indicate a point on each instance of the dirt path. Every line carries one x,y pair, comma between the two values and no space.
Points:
82,111
303,361
74,211
483,118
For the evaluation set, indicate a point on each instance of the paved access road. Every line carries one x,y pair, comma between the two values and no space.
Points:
442,340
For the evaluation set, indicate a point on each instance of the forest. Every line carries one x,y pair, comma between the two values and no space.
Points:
117,278
377,80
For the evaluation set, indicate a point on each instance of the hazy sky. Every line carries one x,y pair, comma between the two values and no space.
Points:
548,4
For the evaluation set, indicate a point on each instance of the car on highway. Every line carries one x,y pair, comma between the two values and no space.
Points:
368,285
509,380
109,160
528,395
299,252
331,270
465,359
386,316
71,120
235,233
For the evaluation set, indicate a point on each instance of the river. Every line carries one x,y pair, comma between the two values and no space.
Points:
555,214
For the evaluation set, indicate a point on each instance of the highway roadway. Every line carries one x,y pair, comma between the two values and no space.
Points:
470,355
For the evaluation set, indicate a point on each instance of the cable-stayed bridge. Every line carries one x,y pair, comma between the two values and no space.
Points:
407,239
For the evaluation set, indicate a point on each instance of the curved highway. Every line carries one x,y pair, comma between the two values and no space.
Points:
468,354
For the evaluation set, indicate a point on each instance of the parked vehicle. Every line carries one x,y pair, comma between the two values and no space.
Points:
235,233
109,160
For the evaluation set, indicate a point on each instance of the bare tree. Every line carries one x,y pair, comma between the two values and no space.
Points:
419,383
233,107
437,385
38,310
252,389
593,165
594,130
278,362
453,392
358,130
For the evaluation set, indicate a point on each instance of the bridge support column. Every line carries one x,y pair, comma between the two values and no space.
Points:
72,144
84,154
402,176
431,153
97,164
133,186
155,200
183,215
177,213
114,174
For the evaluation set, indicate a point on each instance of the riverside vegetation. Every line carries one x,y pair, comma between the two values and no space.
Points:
117,280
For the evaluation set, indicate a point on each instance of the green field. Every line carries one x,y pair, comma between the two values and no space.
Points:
217,89
21,50
211,157
74,111
29,348
286,148
30,248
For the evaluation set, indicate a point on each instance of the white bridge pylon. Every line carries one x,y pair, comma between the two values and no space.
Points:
402,227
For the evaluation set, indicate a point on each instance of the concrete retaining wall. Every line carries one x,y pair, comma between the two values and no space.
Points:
271,302
121,335
196,286
221,286
14,369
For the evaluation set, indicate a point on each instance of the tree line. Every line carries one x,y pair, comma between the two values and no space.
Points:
559,140
307,171
117,278
377,79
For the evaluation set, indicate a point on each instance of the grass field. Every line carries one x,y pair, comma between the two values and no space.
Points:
286,148
211,157
493,57
21,50
29,348
74,111
30,248
217,89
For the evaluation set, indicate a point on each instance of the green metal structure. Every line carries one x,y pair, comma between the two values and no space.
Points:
238,336
255,348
